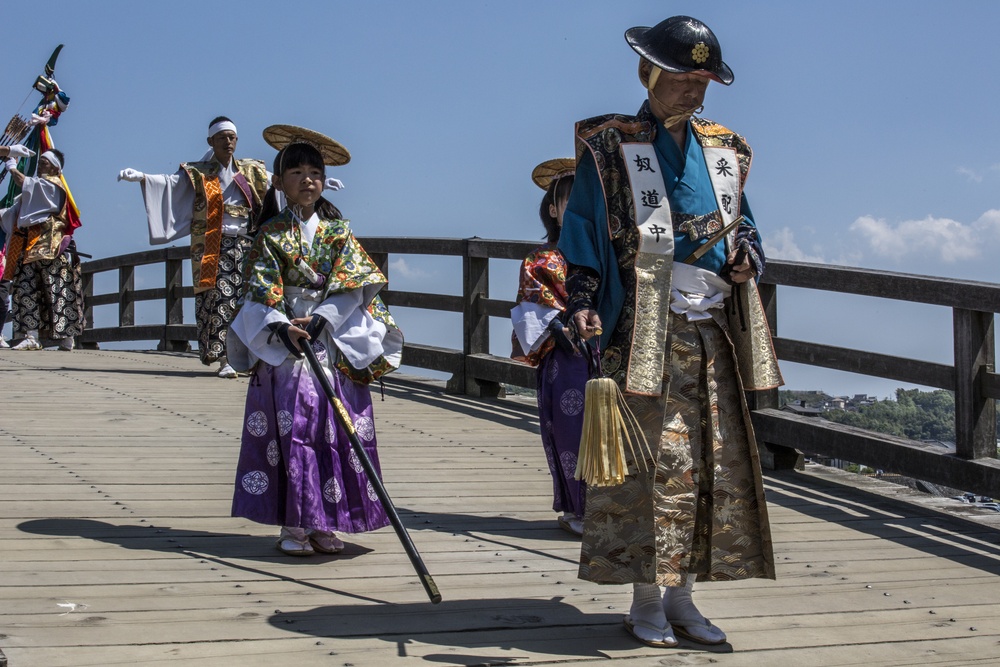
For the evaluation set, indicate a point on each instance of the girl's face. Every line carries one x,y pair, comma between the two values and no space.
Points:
302,185
558,209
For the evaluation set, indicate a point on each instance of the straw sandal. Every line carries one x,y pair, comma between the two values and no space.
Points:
631,625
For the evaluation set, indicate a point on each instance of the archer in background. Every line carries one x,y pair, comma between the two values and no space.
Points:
37,222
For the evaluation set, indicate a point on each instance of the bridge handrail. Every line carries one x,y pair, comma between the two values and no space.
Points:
475,371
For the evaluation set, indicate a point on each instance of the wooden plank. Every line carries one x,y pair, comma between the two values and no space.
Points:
120,506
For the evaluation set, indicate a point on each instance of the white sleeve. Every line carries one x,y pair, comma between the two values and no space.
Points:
360,338
531,324
250,326
39,200
169,202
8,217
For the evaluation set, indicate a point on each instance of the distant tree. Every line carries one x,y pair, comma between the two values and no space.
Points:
915,414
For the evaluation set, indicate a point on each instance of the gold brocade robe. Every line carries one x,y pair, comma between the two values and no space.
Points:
697,507
256,177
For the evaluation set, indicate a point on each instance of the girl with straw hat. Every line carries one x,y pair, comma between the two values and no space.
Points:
309,282
539,339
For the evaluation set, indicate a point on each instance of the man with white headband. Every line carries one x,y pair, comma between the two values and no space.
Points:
46,278
215,201
663,252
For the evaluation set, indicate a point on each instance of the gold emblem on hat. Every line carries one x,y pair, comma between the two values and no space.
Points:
699,53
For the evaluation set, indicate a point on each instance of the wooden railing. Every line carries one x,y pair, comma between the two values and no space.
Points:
474,371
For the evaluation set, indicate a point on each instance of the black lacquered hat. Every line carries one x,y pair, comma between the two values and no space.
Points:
681,44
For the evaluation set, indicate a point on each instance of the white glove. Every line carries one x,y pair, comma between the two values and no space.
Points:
40,120
333,184
131,175
17,150
10,163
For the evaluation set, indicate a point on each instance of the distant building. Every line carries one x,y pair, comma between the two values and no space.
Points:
802,409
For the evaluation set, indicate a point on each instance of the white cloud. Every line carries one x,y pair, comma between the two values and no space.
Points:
971,174
781,244
931,238
400,268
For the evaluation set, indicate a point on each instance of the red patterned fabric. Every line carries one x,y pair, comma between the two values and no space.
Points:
542,281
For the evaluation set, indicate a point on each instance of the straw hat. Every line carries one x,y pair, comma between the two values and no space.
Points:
279,136
550,170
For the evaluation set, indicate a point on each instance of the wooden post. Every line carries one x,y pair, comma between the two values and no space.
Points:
381,260
772,457
174,313
975,413
88,311
475,322
126,296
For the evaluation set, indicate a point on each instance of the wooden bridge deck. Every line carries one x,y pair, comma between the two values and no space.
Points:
117,548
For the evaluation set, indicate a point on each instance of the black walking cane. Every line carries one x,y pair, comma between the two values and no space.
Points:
345,420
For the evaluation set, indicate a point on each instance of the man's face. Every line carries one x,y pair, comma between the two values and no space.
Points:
223,145
676,92
46,168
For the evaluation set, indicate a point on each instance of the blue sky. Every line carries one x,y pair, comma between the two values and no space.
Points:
873,126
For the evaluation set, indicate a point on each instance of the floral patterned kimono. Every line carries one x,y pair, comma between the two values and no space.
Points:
562,375
296,467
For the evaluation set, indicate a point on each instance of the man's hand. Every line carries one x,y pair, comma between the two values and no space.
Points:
588,323
742,272
131,175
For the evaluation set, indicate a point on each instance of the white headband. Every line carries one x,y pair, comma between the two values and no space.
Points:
221,126
51,157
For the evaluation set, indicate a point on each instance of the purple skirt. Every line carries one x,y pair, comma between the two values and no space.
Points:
296,466
561,380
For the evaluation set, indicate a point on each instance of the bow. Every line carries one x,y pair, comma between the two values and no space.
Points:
21,130
35,135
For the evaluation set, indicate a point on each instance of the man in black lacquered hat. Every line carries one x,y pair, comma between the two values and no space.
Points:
663,257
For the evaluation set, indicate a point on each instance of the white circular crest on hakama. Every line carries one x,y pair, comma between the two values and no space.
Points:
553,370
273,453
354,462
255,482
371,492
331,432
320,349
257,423
571,402
568,461
331,491
284,422
365,428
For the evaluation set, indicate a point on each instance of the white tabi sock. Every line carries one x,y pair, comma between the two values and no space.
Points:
679,608
647,613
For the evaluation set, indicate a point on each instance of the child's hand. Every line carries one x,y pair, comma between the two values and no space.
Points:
295,334
289,335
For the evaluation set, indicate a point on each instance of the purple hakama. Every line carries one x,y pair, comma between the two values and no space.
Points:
296,466
561,379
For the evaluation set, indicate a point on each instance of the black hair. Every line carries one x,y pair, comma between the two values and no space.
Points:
59,154
296,155
558,190
219,119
